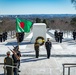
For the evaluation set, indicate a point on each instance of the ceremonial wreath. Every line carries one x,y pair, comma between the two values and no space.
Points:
40,40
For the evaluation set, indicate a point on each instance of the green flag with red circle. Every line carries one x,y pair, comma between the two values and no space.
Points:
23,25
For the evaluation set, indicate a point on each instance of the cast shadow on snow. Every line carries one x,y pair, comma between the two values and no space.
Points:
66,40
71,42
15,43
2,74
56,55
28,52
31,59
52,55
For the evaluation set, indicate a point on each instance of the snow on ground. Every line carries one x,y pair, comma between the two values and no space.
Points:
66,34
64,52
57,47
12,41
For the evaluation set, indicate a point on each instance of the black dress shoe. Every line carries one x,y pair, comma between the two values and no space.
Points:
19,71
48,57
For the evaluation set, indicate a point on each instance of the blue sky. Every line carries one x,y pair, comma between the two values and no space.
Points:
36,7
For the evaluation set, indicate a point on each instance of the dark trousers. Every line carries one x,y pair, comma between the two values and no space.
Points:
60,40
48,53
37,53
74,37
9,71
0,39
16,69
3,38
18,62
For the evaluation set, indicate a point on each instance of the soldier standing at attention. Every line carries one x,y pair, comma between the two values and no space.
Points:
1,37
74,34
9,61
4,37
56,35
16,57
48,46
60,36
36,47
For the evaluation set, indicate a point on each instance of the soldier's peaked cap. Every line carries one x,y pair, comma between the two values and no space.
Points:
8,52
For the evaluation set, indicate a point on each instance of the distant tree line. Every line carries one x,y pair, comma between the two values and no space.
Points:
7,24
62,23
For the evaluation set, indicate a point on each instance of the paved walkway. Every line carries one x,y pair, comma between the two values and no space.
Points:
64,52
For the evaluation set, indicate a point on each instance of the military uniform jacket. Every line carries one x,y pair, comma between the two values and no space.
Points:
36,46
48,45
9,61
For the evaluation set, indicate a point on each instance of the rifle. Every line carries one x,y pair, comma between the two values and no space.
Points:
18,58
13,46
10,49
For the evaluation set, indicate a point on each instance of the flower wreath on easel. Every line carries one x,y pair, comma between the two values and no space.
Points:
40,40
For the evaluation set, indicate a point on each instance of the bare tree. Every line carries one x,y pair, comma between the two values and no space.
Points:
74,3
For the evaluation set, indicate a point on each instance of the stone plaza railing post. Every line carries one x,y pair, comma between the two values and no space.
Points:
63,69
68,70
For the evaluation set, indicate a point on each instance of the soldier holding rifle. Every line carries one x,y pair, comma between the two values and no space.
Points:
16,57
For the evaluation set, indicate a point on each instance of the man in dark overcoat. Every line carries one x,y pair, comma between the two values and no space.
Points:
48,46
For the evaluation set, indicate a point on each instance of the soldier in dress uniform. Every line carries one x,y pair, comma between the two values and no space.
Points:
16,57
55,35
60,36
1,37
8,61
48,46
4,36
36,47
74,34
20,37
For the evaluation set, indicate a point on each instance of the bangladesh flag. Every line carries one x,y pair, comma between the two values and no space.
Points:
23,25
